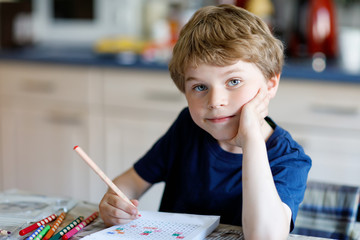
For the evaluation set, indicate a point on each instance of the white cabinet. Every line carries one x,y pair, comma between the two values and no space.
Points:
324,117
45,112
139,107
115,115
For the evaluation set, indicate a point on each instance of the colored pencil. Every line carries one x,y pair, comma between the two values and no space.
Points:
34,234
83,224
42,233
37,224
4,232
67,228
54,227
101,174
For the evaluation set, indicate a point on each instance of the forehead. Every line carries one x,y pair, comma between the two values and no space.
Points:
203,69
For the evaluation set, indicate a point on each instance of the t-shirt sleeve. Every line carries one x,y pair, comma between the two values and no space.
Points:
290,167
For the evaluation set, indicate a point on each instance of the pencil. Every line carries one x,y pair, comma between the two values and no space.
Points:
67,228
83,224
101,174
37,224
34,234
55,226
42,233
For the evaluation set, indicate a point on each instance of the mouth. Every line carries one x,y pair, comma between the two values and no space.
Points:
220,119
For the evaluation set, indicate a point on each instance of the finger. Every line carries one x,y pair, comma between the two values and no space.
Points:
117,202
263,95
264,113
135,202
263,107
112,215
112,209
259,98
109,220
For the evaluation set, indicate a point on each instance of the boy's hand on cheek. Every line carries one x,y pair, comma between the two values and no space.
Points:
252,117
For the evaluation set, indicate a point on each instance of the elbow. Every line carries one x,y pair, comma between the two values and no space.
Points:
266,236
270,233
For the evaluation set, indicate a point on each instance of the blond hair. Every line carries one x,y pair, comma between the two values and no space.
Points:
221,35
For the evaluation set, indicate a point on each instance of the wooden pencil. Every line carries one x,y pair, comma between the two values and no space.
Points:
101,174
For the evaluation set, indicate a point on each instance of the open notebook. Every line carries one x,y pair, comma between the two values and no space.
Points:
161,226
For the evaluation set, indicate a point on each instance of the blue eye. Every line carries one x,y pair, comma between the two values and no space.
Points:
200,88
233,82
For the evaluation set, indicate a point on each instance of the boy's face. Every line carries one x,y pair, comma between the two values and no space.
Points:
215,95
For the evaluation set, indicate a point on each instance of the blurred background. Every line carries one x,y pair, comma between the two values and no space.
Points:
94,73
149,27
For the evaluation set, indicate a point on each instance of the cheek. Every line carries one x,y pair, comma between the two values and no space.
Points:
193,102
243,97
195,113
195,107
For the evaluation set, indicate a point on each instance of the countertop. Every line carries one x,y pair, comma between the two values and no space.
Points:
84,55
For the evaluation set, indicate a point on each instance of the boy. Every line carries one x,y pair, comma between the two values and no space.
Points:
223,155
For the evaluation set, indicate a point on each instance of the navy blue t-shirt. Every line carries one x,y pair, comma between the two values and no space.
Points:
201,178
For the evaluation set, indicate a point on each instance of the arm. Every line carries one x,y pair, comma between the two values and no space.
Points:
114,210
265,216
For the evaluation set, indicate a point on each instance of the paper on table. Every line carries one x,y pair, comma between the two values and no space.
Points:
28,207
161,226
20,208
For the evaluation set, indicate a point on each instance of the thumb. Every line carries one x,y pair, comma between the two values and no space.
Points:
135,202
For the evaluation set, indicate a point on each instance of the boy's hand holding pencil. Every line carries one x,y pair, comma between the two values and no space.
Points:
115,198
119,212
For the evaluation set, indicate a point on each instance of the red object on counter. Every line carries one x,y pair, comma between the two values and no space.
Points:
322,28
37,224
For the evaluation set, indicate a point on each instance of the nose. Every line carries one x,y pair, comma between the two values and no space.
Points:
217,99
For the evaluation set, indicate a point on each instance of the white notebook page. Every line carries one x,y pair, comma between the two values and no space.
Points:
160,226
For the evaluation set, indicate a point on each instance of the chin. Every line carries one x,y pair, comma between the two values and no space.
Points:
223,136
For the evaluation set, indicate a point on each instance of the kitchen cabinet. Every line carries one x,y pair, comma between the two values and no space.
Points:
45,111
324,118
139,107
115,115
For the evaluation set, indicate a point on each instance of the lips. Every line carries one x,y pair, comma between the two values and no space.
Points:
220,119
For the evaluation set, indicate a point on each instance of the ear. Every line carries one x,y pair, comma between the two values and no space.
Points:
272,85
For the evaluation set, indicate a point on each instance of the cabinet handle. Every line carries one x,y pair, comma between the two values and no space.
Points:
63,118
335,110
163,96
38,86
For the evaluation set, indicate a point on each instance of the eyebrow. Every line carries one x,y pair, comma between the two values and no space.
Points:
225,73
233,71
190,79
